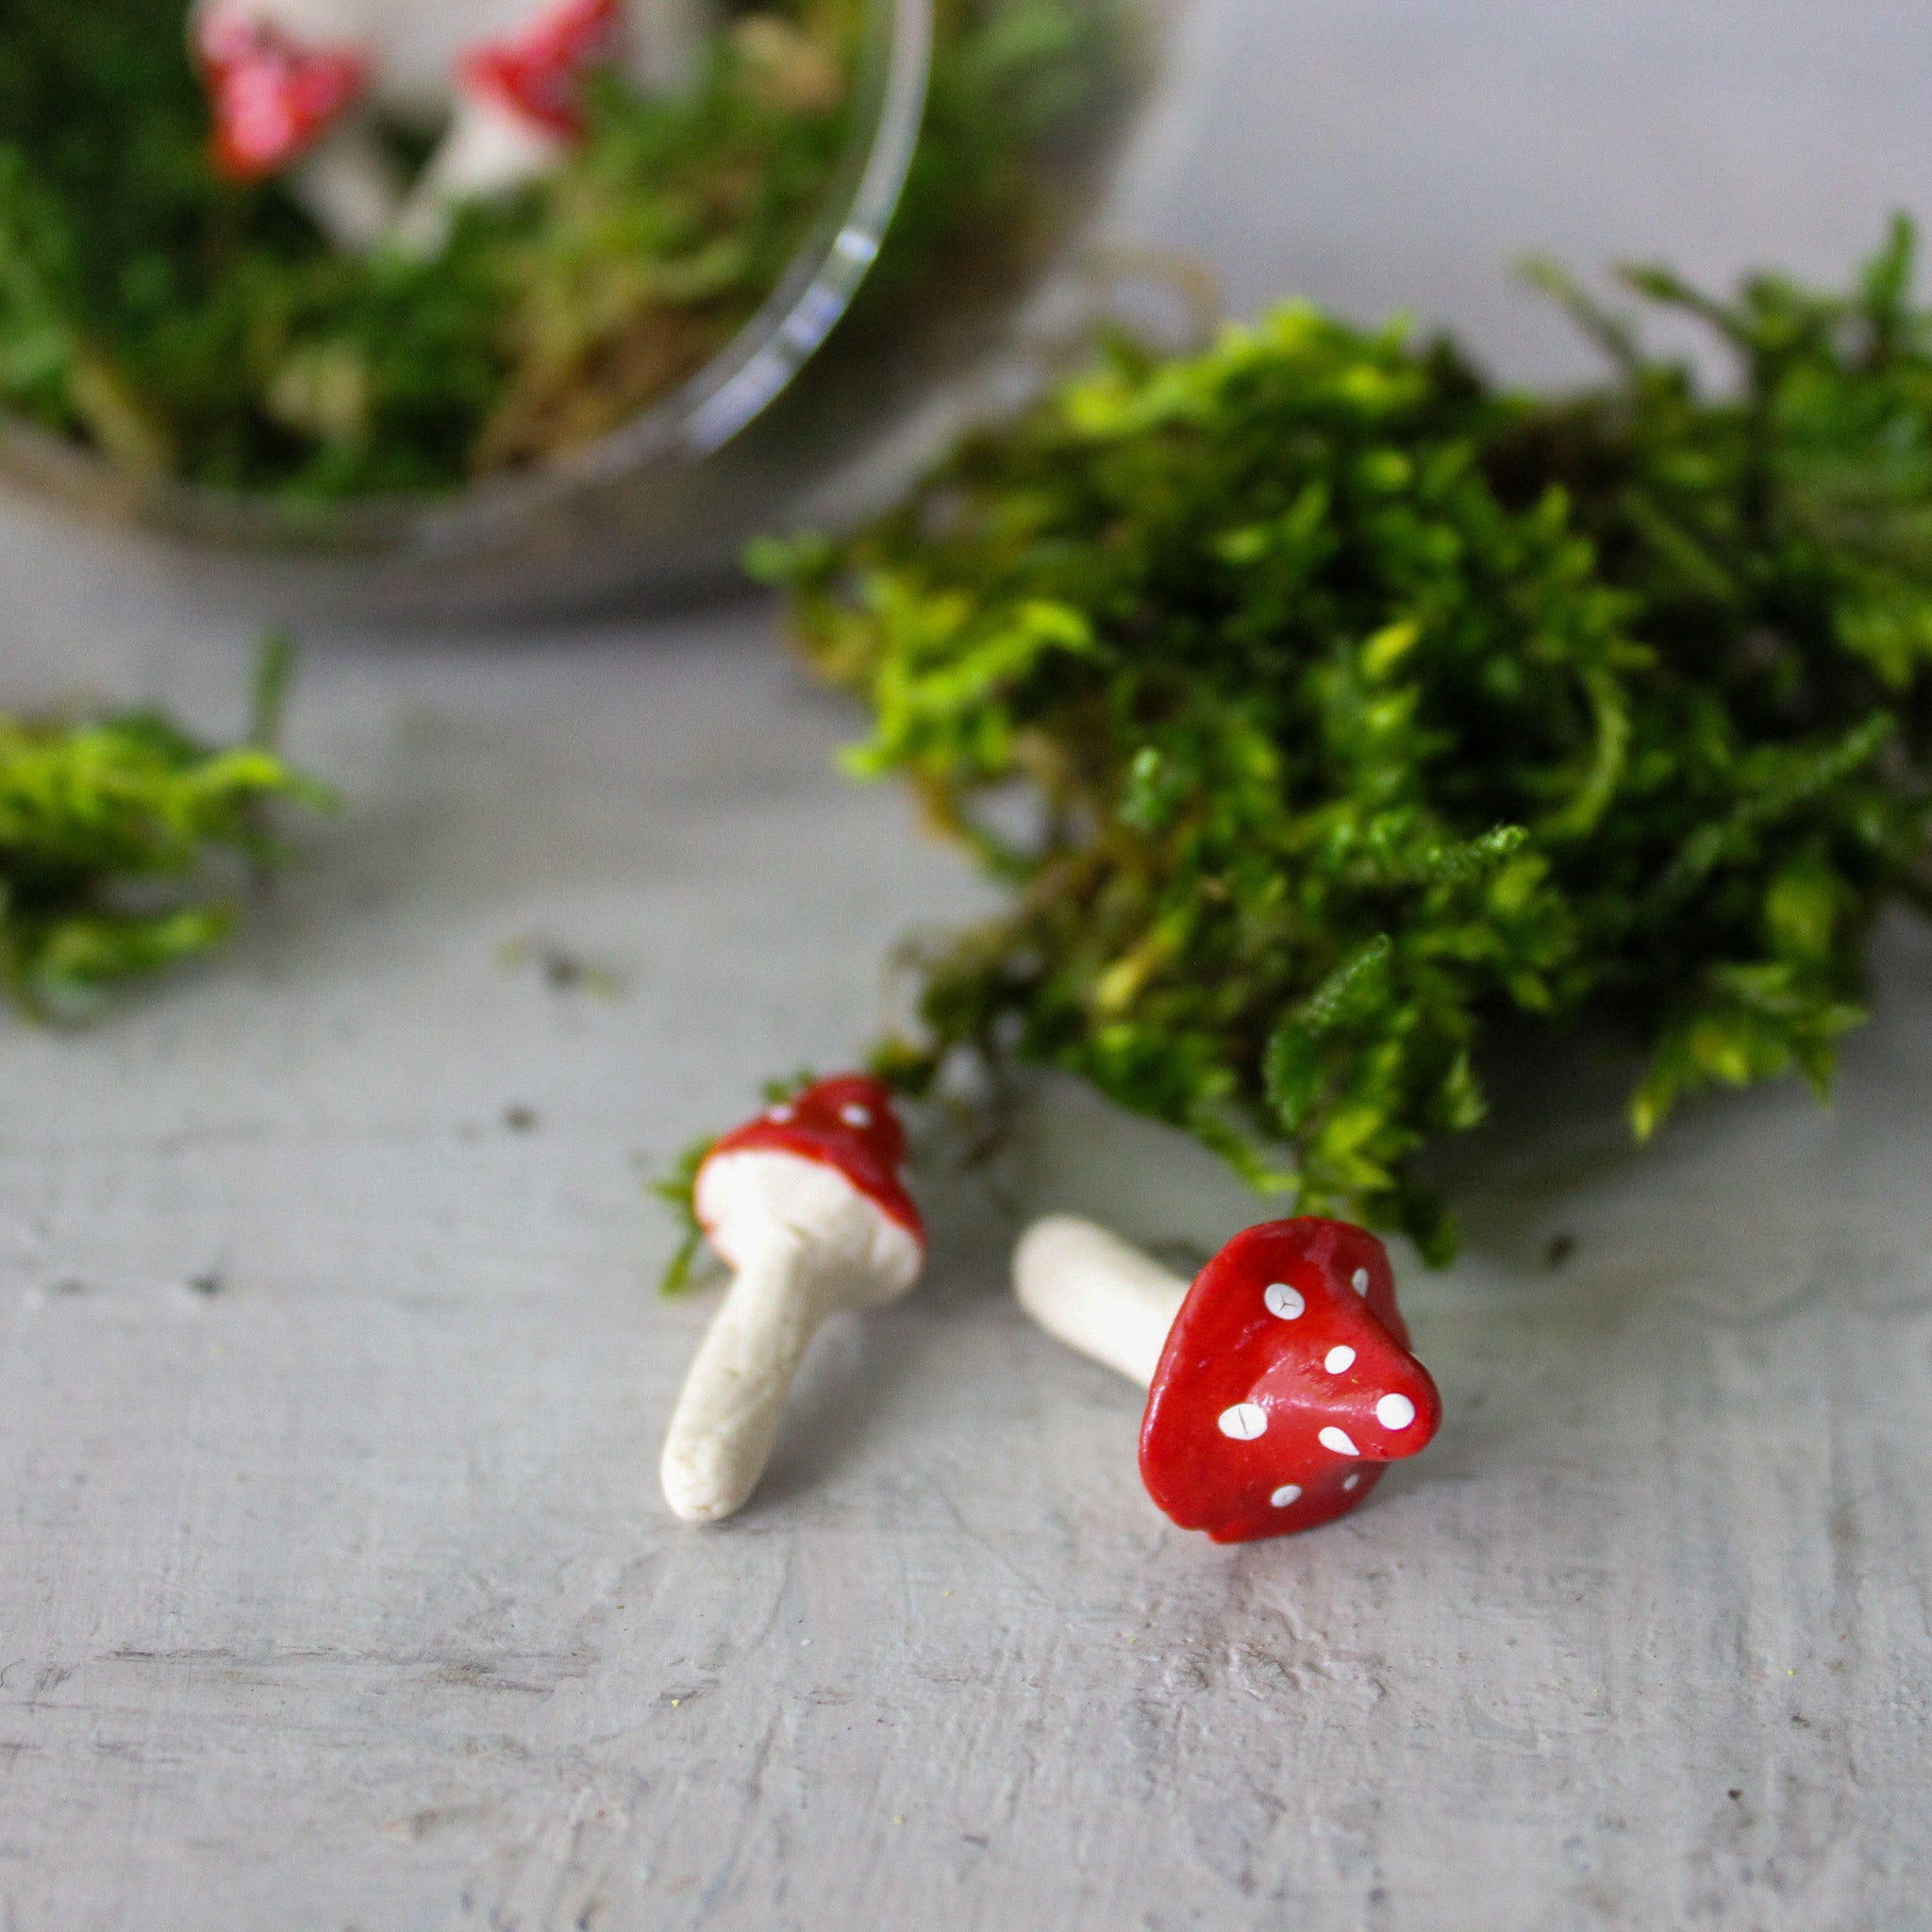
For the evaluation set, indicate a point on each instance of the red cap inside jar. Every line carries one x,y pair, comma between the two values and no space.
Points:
273,95
539,73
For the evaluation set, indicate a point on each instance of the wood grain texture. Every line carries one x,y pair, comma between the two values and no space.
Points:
335,1589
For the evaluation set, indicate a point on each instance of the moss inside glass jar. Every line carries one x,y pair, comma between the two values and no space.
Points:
177,322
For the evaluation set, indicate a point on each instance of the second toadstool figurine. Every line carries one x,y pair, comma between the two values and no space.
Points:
806,1203
1280,1384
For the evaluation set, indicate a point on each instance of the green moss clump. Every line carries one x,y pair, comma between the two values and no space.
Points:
122,842
1344,704
179,324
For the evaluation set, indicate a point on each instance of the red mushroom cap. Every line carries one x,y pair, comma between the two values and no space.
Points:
1285,1386
539,72
847,1123
272,97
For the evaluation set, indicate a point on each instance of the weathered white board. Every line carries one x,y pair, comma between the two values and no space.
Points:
335,1591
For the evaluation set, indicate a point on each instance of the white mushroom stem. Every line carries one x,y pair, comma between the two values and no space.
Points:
806,1244
349,188
733,1399
1096,1293
489,150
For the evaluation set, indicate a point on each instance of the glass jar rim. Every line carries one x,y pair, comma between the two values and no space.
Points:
734,387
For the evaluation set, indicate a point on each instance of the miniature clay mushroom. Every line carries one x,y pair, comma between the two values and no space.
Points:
282,77
1279,1384
516,113
806,1203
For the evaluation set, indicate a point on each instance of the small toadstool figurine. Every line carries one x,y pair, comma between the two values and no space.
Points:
515,115
806,1204
283,77
1279,1384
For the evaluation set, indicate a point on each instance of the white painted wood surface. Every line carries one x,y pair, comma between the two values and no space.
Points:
335,1589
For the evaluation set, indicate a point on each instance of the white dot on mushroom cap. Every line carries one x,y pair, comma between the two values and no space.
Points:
1362,1281
1287,1494
855,1116
1338,1358
1395,1411
1283,1300
781,1114
1243,1421
1348,1482
1338,1439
